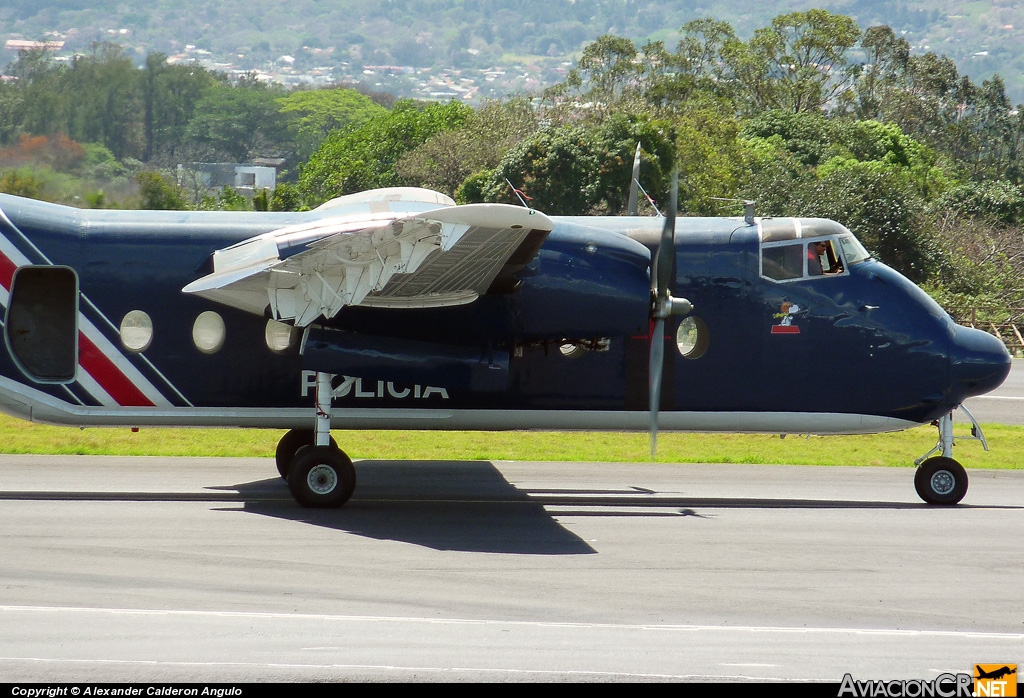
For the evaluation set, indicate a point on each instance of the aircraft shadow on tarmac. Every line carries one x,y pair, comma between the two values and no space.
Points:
463,505
444,505
470,506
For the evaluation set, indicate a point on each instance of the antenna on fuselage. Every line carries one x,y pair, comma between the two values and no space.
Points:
520,194
650,200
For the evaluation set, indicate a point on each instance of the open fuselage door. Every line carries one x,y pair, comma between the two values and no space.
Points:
41,326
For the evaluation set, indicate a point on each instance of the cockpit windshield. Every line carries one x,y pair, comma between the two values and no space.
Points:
852,249
805,248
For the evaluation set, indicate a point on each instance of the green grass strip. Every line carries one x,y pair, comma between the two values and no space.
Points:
897,449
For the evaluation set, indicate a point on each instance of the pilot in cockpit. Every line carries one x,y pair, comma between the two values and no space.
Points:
822,259
814,252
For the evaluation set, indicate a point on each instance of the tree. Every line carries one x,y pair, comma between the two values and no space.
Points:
21,183
365,158
105,88
318,113
239,123
979,266
806,135
10,111
578,169
446,159
797,64
1001,202
159,193
698,65
878,88
710,155
557,169
171,94
286,197
606,75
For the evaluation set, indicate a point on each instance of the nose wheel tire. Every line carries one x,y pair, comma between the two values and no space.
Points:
321,477
941,480
289,445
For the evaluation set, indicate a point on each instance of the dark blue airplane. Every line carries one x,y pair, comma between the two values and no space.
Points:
397,309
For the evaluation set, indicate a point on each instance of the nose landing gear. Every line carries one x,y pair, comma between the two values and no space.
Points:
940,479
319,474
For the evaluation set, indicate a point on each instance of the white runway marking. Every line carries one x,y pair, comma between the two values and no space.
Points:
388,667
892,632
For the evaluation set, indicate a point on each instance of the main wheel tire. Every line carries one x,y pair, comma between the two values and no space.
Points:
290,444
321,477
941,480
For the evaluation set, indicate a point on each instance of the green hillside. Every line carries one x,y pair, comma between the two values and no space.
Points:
344,36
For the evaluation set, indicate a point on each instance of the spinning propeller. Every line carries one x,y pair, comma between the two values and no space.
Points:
663,305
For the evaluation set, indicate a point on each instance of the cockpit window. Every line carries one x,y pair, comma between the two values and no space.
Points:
852,249
827,257
783,262
799,259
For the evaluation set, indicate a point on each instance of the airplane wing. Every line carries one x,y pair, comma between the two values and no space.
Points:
447,256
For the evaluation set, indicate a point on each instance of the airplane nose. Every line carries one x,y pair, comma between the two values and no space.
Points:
978,362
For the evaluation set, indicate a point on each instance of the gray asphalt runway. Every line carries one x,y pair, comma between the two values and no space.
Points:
152,569
170,569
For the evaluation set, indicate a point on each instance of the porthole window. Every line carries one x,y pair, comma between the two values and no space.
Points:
692,337
136,331
208,332
280,337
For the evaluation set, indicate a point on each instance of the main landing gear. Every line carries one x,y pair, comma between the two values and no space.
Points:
940,479
319,473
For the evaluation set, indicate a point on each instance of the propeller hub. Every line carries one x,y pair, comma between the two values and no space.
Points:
667,306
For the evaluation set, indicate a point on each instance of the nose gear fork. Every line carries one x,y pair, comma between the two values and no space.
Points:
946,438
940,479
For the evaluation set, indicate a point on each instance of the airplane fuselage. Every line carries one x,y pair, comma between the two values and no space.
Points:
563,345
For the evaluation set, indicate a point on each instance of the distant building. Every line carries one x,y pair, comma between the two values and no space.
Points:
244,178
21,45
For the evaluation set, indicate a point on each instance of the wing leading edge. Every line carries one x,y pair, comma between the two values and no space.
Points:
447,256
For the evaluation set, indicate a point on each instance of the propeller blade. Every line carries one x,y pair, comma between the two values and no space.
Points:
634,185
655,369
661,281
663,260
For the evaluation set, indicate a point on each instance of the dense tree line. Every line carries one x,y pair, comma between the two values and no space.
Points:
811,116
164,114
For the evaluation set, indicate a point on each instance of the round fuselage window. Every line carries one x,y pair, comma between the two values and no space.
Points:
136,331
208,332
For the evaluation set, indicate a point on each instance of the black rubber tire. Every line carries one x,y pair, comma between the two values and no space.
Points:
321,477
290,444
941,480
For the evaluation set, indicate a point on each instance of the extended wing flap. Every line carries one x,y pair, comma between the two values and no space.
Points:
447,256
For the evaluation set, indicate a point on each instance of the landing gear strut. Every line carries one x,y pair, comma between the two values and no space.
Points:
319,474
940,479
